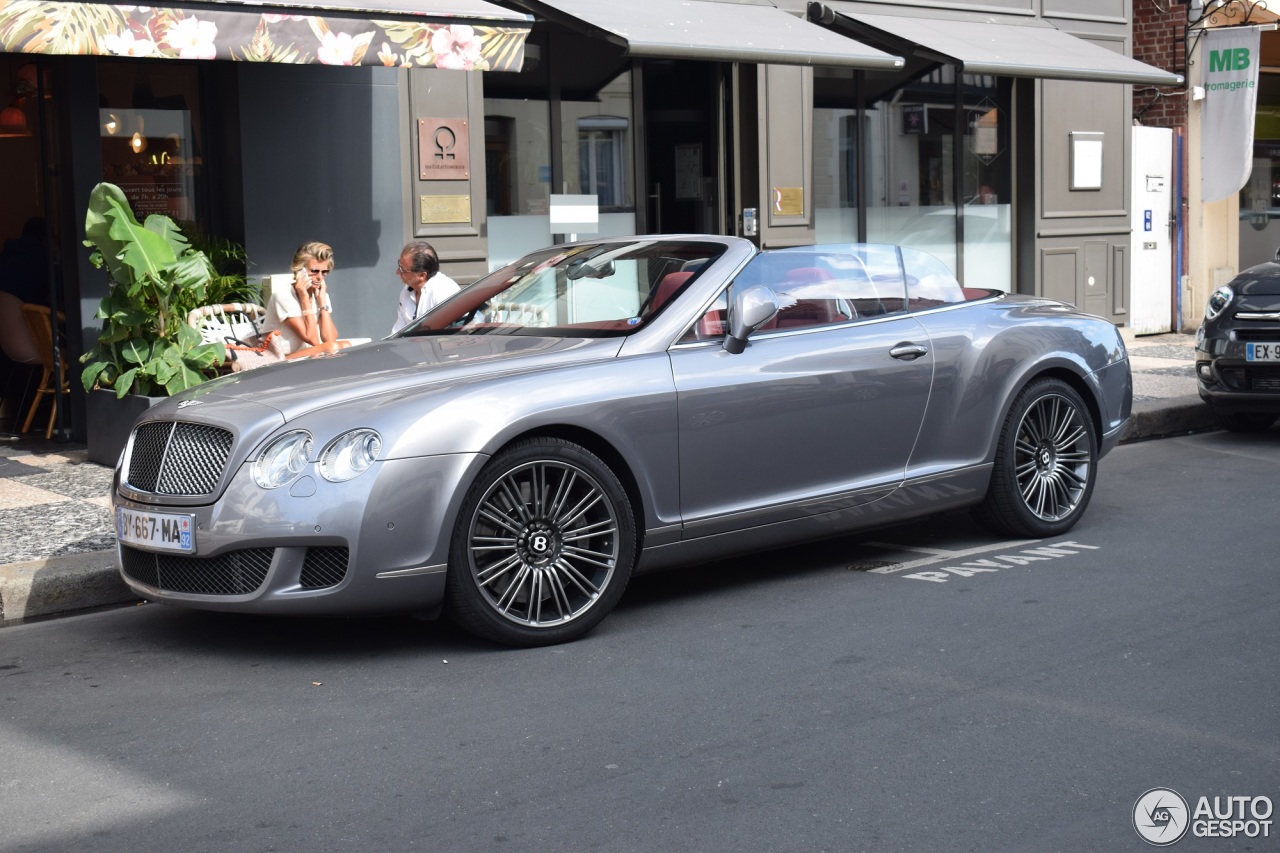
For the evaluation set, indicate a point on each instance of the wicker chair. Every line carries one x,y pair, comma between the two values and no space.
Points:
38,321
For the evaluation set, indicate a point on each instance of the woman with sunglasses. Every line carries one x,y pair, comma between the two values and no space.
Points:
303,313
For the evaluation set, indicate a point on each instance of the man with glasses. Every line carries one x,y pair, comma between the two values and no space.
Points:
425,286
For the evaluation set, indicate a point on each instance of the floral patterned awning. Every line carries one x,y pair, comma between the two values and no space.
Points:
250,34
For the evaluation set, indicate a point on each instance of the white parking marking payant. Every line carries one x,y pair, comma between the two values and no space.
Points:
940,554
1001,561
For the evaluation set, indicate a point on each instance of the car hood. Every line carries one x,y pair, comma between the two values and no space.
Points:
1262,280
394,366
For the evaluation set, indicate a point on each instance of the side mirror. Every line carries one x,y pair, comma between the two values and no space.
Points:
749,309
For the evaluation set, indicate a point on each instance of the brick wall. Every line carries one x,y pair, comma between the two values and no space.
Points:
1158,27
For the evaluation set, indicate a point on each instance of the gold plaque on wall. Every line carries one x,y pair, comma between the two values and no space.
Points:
788,201
444,146
442,209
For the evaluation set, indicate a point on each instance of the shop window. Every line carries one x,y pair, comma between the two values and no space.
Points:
910,132
602,147
1260,196
988,182
150,126
593,148
886,169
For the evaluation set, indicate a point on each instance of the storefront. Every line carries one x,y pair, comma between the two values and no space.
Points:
995,141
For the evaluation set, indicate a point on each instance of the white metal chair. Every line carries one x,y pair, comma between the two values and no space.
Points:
523,313
230,324
239,321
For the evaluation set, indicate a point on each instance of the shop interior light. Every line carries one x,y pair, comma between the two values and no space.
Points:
13,121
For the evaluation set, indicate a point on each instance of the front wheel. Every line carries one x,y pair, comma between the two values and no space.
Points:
1046,463
543,546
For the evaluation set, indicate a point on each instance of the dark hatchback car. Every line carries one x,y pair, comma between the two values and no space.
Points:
1238,350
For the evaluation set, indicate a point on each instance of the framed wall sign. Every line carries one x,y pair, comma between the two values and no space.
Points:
1086,160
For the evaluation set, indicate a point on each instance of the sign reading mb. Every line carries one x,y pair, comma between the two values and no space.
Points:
1231,59
1230,81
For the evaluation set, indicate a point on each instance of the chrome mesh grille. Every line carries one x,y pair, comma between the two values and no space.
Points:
324,567
178,458
233,573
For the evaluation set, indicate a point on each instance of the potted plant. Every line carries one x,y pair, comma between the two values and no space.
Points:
146,349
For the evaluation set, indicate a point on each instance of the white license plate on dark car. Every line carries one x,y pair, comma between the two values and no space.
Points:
156,530
1262,352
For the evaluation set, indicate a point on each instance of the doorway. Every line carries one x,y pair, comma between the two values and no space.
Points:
683,145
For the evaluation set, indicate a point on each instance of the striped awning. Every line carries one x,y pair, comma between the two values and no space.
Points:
452,34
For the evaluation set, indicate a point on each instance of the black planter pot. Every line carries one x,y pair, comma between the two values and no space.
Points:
110,420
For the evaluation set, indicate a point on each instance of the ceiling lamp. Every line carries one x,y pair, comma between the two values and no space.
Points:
13,121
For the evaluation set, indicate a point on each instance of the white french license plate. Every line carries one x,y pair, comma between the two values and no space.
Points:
158,530
1262,352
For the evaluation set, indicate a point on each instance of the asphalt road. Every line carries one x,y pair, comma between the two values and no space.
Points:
926,687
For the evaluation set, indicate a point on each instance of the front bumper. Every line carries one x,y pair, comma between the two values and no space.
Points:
376,544
1226,380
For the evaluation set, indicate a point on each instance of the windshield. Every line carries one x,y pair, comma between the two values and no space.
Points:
586,290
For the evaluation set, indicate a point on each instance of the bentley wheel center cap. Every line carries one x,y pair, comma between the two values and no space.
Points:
539,543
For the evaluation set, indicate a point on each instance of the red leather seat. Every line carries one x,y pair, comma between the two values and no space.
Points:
806,312
667,288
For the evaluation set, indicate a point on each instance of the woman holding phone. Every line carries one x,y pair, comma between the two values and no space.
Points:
303,313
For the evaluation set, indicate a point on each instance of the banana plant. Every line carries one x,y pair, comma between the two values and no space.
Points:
156,276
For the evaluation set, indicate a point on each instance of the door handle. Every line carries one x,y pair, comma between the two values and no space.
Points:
908,351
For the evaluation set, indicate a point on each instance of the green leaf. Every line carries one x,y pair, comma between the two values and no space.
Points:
136,351
89,376
165,227
182,380
188,337
124,384
205,356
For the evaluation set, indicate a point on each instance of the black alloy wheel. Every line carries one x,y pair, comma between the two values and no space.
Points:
1046,463
543,546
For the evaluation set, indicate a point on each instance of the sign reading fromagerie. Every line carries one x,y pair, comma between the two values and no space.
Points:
444,146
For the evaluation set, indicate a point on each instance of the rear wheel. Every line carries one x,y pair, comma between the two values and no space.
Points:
1244,421
543,546
1045,466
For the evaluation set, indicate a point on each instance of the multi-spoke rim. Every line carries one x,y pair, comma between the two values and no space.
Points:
543,543
1052,457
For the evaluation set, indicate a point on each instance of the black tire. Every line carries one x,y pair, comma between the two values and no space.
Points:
543,545
1244,421
1046,464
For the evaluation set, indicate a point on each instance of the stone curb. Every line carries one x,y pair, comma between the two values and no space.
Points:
1168,417
59,585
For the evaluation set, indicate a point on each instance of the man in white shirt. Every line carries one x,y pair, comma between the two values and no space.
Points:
425,286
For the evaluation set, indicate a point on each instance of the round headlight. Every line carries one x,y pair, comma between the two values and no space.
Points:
349,455
1219,300
283,460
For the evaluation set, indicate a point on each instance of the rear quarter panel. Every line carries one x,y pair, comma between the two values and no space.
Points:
986,353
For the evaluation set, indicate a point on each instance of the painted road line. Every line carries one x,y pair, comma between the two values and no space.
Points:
938,555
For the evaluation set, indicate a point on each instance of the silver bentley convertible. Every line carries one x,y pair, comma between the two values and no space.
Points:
602,408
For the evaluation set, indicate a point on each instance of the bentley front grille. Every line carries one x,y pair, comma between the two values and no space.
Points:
233,573
324,567
178,458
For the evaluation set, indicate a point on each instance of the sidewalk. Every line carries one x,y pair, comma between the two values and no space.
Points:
57,538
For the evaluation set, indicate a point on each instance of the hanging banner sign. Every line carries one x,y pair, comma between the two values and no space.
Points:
1230,62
